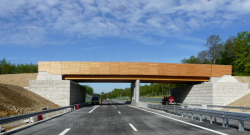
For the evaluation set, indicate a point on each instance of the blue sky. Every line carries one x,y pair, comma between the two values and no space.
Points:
115,30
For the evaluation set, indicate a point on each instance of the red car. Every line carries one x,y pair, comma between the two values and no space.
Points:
170,100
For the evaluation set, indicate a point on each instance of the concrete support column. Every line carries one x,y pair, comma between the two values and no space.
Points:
135,92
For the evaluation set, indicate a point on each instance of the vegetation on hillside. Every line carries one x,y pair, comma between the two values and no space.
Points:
7,67
235,51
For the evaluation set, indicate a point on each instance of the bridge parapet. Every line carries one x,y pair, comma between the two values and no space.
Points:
133,68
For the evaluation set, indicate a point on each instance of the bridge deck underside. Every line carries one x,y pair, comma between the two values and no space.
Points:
132,78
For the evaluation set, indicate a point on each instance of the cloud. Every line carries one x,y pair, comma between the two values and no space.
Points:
48,22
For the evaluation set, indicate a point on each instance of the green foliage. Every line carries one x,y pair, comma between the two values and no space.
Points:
235,51
191,60
7,67
214,48
241,65
89,90
227,53
145,91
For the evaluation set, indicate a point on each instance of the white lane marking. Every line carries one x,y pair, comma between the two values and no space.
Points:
183,121
119,112
132,127
65,131
93,109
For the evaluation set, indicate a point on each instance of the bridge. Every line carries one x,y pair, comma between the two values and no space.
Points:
61,75
131,71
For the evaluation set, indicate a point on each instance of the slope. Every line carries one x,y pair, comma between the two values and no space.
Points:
18,79
245,100
15,100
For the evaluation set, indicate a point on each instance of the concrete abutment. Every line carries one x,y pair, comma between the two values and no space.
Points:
61,92
219,91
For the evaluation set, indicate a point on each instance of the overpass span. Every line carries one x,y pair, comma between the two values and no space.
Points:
55,80
131,71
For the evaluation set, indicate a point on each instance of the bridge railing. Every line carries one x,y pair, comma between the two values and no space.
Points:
30,115
213,114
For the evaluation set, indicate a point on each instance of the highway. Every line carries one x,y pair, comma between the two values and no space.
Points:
118,119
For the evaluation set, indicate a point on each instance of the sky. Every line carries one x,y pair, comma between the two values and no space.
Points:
164,31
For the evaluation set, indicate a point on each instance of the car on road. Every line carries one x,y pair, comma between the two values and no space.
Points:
127,102
95,100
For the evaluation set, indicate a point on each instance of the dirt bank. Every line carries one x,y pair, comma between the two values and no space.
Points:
243,79
245,100
18,79
15,100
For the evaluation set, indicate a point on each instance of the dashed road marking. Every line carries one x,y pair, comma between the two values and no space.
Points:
93,109
182,121
132,127
65,131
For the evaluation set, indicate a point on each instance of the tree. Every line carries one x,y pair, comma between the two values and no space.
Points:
202,57
89,90
228,52
214,47
191,60
7,67
241,65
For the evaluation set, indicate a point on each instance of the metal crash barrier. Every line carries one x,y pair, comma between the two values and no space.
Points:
30,115
185,111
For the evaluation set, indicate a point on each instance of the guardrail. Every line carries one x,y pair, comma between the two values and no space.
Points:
229,107
30,115
213,114
215,106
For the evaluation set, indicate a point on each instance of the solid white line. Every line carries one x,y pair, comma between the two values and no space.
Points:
119,112
132,127
182,121
93,109
65,131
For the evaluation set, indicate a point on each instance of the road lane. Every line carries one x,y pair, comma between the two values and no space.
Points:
112,118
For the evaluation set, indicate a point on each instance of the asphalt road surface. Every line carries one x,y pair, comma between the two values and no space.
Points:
117,119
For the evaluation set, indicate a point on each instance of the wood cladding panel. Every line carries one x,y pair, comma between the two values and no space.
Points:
114,68
153,69
217,70
55,68
104,68
44,66
162,68
124,68
134,68
143,68
85,67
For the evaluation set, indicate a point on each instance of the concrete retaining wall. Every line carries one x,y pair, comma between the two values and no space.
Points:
217,93
61,92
